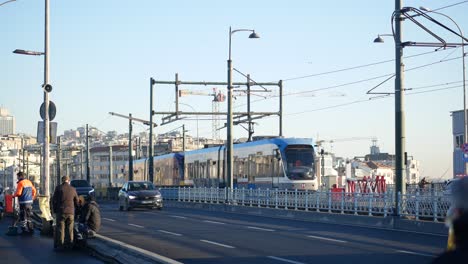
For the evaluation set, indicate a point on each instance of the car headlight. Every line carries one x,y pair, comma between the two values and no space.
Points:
90,192
158,196
131,197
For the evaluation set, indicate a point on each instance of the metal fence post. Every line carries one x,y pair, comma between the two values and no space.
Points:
286,199
329,201
399,205
370,204
268,198
435,205
295,200
355,204
178,194
307,200
276,198
317,200
417,205
342,201
258,197
385,204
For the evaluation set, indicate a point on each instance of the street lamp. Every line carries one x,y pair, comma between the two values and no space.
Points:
399,105
47,88
229,143
193,109
465,123
379,38
7,2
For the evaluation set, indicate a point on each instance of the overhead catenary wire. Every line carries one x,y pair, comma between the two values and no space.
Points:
358,66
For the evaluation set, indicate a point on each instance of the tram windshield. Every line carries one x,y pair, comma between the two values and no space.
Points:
300,162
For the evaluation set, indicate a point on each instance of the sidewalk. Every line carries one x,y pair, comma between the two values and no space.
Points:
36,249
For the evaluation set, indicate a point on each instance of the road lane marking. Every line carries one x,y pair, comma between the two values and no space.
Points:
259,228
176,216
157,258
108,219
415,253
217,244
214,222
285,260
139,226
328,239
170,233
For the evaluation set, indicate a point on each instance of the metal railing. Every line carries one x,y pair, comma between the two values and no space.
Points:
432,207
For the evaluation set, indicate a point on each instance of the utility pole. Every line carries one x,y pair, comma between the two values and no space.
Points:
81,163
399,108
150,147
87,155
111,166
59,155
249,116
183,138
130,157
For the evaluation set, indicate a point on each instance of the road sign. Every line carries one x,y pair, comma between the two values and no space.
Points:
52,111
52,132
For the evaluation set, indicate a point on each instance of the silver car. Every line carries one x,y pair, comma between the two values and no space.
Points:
139,194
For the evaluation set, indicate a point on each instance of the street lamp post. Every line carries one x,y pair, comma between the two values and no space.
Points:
400,186
150,148
229,143
465,118
47,88
193,109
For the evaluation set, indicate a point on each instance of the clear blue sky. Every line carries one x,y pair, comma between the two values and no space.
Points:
103,53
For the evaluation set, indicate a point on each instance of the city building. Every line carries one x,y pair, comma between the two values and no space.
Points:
7,122
459,158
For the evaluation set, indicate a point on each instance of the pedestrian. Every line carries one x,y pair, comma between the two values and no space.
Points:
26,193
457,220
64,201
90,217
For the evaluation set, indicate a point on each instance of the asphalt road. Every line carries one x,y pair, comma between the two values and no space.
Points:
198,236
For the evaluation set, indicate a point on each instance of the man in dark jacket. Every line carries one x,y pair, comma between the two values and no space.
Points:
90,217
63,202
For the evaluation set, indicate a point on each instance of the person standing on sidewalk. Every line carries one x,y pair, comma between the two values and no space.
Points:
64,201
26,193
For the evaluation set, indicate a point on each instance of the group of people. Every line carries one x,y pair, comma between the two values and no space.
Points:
66,206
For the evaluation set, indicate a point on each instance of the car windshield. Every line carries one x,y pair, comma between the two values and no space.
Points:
137,186
79,183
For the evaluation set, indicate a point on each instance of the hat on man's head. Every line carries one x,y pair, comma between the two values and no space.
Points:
65,178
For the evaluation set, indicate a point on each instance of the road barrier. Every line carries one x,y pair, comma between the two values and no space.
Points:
430,207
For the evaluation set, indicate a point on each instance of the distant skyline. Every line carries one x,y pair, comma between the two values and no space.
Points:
103,54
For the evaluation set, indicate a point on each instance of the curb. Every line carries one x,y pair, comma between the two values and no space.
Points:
118,252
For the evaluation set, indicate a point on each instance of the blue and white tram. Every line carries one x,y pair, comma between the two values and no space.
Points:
267,163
